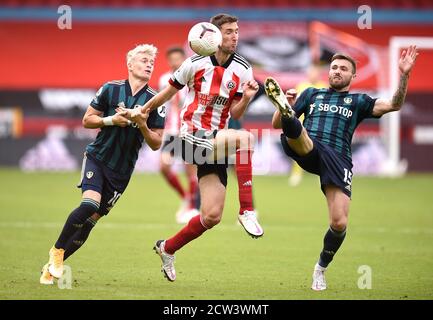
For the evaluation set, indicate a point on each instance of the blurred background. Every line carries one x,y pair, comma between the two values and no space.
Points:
56,54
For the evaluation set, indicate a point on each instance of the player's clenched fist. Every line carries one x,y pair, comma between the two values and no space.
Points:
250,88
291,96
120,120
140,116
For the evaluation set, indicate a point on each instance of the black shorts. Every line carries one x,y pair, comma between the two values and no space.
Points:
197,149
98,177
332,168
172,144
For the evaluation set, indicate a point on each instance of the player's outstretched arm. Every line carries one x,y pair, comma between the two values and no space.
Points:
238,108
405,65
162,97
93,119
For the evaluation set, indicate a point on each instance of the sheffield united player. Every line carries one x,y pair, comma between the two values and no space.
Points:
219,87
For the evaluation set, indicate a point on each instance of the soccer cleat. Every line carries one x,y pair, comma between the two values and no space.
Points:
46,277
248,220
187,215
277,97
56,262
319,281
167,260
295,179
180,214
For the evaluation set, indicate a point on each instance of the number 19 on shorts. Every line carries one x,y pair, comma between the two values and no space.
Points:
347,176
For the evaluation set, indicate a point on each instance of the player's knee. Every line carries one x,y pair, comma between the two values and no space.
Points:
212,216
89,206
96,216
164,166
339,224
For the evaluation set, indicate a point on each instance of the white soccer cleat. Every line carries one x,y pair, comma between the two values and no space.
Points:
167,260
319,281
295,180
276,95
180,214
55,266
248,220
46,277
187,215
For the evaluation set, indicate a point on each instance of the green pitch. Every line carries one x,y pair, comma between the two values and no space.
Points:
390,231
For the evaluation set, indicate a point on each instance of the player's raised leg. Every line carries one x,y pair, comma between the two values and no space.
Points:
338,207
241,143
212,193
296,135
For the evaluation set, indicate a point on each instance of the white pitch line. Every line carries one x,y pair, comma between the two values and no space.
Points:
235,226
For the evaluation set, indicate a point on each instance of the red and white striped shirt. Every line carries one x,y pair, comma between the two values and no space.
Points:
211,90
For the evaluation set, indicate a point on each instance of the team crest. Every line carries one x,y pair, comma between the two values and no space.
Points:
89,174
347,100
230,84
320,97
161,111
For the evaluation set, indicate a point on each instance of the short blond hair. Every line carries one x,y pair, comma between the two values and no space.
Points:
141,48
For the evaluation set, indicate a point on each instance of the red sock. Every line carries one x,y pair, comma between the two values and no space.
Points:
244,172
193,188
173,180
192,230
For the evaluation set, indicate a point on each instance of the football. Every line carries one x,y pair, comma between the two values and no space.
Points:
204,38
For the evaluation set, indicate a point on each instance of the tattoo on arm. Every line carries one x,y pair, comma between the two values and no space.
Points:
400,94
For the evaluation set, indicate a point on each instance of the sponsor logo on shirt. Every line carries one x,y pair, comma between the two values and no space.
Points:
325,107
206,100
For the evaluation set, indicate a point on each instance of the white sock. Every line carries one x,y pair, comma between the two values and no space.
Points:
319,267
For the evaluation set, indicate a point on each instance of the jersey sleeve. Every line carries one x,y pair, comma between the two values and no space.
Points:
182,75
366,105
100,101
303,102
156,118
246,76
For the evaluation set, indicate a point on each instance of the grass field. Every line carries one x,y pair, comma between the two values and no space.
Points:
390,230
